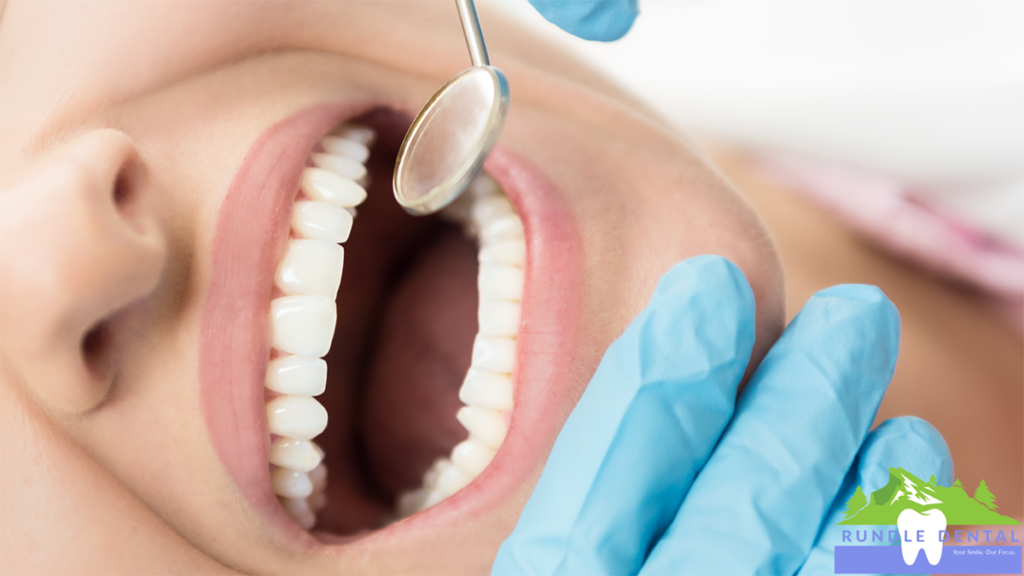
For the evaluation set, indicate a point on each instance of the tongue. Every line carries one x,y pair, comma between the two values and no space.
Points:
421,355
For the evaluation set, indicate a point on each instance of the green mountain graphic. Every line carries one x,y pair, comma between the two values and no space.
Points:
904,490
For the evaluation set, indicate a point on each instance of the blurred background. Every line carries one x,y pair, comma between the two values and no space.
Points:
928,90
909,109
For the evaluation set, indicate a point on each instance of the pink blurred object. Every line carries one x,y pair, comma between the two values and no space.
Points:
886,210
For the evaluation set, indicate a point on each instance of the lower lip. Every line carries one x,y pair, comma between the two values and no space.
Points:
251,230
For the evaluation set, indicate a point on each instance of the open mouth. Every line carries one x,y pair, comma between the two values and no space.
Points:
416,361
445,293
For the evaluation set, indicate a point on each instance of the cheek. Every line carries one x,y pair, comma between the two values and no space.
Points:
641,209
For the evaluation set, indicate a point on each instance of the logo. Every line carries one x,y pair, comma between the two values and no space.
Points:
905,527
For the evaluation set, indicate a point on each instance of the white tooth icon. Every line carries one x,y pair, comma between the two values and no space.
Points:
921,531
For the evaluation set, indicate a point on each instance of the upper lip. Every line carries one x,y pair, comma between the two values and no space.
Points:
251,227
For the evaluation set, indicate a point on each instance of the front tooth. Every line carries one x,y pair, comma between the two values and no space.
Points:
502,229
321,221
498,318
346,148
344,167
500,282
311,267
487,390
290,484
493,354
511,252
486,425
327,186
298,417
920,531
299,511
297,375
294,454
303,325
472,456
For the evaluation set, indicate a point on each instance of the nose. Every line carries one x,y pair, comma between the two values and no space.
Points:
78,243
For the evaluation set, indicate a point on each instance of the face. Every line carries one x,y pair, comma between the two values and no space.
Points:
137,329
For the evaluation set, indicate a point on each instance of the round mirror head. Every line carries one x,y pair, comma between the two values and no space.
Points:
448,141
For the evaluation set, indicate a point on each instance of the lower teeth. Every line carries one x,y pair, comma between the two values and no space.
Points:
486,214
302,326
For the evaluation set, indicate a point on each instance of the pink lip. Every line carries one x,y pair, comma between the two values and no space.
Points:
252,227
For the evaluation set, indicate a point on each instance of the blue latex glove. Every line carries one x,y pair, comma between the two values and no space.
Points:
603,20
659,470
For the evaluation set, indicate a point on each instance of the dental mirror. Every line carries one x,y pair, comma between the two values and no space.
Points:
448,141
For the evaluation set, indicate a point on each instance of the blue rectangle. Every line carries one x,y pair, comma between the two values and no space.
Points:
955,560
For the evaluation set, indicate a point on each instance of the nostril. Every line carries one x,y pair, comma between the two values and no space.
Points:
128,198
95,349
122,190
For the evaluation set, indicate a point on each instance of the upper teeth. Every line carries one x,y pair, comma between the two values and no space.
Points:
920,531
303,321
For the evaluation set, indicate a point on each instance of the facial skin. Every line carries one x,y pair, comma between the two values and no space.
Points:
149,108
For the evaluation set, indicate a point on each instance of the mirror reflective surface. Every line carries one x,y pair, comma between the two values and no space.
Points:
446,146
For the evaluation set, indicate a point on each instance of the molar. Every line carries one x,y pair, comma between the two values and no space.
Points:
346,148
299,511
344,167
362,134
451,480
290,484
326,186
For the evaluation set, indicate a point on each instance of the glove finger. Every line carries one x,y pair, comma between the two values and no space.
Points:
908,443
757,505
650,416
603,20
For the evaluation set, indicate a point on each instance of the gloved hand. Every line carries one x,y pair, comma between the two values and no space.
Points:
660,470
603,20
